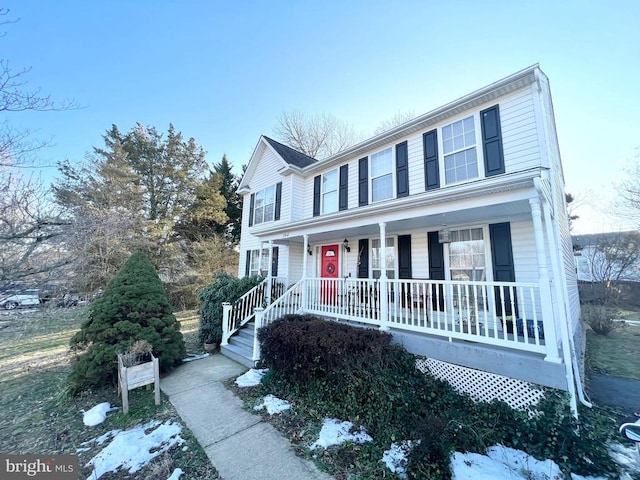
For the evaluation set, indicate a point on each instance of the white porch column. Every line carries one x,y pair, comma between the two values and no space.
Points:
304,299
562,311
384,301
269,273
548,317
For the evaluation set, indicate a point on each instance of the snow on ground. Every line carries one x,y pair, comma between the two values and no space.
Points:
396,457
251,378
132,449
176,474
334,432
273,404
97,414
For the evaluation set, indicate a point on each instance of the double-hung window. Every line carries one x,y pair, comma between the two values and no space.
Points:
259,264
382,175
460,152
383,259
466,255
330,192
264,205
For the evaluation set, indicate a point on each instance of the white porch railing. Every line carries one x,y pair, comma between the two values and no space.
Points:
450,309
242,311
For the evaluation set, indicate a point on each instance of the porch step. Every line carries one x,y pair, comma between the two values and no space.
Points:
240,347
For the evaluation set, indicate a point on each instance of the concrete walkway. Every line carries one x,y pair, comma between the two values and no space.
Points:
240,445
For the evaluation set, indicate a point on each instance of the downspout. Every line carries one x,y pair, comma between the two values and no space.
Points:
564,330
568,347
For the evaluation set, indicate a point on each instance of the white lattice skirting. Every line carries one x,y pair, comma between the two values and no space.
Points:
483,386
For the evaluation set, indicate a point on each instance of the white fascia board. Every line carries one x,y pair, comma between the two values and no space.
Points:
498,184
243,186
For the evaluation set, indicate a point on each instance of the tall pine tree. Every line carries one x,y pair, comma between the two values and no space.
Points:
135,306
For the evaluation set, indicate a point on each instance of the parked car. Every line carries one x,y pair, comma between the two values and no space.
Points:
11,298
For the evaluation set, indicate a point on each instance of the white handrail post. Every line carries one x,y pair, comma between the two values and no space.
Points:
269,273
384,304
256,344
226,328
548,318
304,300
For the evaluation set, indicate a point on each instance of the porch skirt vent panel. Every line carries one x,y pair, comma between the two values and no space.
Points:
483,386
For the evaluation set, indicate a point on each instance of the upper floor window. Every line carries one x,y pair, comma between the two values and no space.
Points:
330,192
459,149
382,175
264,207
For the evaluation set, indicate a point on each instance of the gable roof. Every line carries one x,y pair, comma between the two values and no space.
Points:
289,155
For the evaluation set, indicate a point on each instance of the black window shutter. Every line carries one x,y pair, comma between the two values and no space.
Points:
274,262
343,198
253,198
316,196
436,269
404,256
431,170
404,267
503,268
247,264
492,141
276,214
363,181
363,258
402,170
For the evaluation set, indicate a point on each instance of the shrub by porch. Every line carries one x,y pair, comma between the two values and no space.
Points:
380,388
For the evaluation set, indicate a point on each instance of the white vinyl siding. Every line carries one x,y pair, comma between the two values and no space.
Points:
519,134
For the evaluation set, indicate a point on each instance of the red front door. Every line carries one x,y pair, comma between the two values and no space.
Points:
328,271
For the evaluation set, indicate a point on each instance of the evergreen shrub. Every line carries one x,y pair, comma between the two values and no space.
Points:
305,346
134,307
225,288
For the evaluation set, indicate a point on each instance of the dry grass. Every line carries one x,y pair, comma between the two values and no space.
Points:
38,417
616,353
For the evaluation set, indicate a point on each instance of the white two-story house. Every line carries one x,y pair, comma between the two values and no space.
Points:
450,231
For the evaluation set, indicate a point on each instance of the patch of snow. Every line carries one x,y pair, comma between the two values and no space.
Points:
133,449
334,432
273,404
397,456
97,414
627,457
252,378
506,463
191,357
176,474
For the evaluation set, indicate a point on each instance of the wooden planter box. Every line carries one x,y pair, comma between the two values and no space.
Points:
138,376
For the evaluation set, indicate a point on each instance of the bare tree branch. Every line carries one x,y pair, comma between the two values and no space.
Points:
318,136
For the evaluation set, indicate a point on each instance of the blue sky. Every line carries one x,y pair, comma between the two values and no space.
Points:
222,72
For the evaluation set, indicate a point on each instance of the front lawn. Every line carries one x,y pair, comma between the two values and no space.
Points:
616,354
39,418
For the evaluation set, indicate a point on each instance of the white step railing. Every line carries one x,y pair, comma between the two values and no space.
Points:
242,311
495,313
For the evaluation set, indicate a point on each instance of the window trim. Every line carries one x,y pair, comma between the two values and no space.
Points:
392,172
488,264
323,192
263,207
261,260
478,146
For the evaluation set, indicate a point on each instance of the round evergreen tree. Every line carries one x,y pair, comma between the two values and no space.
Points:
135,306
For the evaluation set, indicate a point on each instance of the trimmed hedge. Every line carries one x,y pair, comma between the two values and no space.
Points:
304,346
